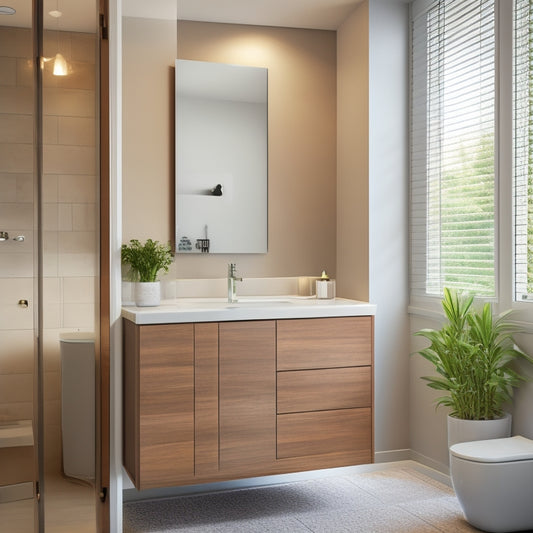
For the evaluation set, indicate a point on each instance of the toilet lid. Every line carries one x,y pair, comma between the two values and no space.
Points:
495,450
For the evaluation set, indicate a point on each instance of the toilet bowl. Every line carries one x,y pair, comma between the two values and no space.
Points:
493,481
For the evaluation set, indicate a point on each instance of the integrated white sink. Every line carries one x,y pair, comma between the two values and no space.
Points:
181,310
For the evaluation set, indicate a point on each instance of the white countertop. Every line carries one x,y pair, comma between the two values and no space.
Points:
180,310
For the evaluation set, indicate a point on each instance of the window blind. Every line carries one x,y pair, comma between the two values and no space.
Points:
523,147
452,223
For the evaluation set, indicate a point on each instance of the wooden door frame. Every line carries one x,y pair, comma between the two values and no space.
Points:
103,429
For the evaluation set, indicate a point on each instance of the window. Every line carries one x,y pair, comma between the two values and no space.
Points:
453,110
523,147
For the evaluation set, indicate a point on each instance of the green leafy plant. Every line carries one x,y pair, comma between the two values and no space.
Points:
146,260
473,355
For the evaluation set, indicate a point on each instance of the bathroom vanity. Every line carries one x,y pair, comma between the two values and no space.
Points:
215,391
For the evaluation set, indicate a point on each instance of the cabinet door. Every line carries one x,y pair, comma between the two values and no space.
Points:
324,342
247,352
166,404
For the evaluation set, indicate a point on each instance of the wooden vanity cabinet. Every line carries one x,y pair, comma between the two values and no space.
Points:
159,403
218,401
324,392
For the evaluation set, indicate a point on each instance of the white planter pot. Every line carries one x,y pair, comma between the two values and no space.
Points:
147,293
460,430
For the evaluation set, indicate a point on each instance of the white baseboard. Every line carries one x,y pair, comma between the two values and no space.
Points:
18,491
390,456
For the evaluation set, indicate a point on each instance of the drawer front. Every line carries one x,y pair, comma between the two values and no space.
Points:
324,343
324,432
326,389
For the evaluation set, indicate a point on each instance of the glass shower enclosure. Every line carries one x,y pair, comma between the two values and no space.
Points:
49,265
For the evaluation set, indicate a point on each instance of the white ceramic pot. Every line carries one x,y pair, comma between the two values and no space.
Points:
460,430
147,293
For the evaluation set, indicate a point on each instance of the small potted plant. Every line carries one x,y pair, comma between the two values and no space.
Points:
145,261
473,355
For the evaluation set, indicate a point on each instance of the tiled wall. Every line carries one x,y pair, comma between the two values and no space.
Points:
70,260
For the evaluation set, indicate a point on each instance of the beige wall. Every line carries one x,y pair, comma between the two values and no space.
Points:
302,140
70,217
352,155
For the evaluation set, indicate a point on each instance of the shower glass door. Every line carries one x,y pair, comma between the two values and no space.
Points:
49,273
18,273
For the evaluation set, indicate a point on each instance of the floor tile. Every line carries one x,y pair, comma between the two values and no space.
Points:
444,513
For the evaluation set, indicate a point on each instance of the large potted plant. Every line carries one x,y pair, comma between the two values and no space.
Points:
473,354
145,261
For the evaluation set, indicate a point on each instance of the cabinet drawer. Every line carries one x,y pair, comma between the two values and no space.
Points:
325,389
324,342
324,432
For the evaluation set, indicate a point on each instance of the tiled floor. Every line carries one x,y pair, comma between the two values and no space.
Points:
401,499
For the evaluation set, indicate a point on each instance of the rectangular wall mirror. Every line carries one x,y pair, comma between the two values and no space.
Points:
221,158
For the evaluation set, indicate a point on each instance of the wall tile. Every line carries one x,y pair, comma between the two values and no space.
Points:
18,215
13,316
16,411
52,316
16,128
80,76
50,217
50,130
16,42
77,131
16,157
51,290
77,265
83,47
77,189
24,72
84,217
18,100
16,388
24,188
79,316
50,188
68,102
77,242
52,386
12,290
79,290
64,217
8,186
8,71
52,353
16,351
69,159
17,265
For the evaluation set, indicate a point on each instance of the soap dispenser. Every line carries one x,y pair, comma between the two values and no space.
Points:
325,287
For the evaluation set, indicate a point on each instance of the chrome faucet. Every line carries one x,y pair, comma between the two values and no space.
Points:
232,278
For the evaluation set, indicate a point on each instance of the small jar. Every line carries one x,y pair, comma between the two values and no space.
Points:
325,287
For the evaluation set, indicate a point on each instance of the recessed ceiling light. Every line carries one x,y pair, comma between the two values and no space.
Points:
55,13
6,10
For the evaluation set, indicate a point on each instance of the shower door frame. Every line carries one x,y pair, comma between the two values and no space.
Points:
103,342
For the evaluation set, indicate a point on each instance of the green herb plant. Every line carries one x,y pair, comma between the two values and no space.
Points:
473,355
146,260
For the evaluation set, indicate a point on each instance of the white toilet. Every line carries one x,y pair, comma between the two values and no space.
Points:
493,480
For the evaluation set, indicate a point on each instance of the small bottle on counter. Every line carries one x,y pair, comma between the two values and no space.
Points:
325,287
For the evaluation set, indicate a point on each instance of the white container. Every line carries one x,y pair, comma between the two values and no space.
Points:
469,430
147,293
325,289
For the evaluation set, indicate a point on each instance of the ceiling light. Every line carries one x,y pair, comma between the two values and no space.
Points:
6,10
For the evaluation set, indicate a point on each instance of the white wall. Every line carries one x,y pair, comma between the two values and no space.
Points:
388,219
